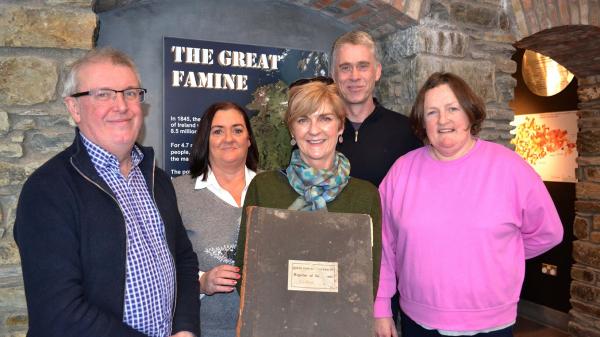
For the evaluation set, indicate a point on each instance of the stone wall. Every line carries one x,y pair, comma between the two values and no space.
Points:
585,287
38,39
471,39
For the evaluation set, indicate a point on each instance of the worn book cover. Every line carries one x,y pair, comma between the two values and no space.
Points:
306,274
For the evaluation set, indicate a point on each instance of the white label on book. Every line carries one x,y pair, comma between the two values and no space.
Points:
318,276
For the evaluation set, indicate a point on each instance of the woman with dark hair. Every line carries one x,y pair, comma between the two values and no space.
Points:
460,216
223,161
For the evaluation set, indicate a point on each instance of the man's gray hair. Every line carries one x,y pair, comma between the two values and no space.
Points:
110,54
355,37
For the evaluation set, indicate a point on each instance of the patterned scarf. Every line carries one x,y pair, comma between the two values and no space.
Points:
316,187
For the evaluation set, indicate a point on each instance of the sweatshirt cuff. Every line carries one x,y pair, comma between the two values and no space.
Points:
382,307
200,273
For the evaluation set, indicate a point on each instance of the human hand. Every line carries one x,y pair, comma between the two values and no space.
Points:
220,279
184,334
385,327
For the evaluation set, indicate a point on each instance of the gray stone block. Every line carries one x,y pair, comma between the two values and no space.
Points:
478,74
474,14
4,122
27,80
11,150
20,26
418,40
49,141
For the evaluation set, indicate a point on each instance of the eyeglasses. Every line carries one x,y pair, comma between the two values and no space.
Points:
302,81
104,95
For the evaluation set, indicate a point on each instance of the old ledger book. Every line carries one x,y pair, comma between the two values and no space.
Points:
306,274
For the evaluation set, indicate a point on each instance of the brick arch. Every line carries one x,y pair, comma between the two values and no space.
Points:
531,17
569,32
566,31
378,17
573,46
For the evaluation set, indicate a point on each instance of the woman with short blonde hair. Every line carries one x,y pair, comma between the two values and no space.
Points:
317,178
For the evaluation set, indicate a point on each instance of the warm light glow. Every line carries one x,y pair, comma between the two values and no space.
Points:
544,76
553,81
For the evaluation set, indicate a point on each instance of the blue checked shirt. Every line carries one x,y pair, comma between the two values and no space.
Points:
150,270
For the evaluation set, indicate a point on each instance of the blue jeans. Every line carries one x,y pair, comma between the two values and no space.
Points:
412,329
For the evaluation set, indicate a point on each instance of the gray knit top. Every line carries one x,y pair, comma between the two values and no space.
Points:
212,226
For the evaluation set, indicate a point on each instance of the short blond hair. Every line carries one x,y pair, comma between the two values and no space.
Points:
355,37
306,99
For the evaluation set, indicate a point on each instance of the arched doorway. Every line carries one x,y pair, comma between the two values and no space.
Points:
576,47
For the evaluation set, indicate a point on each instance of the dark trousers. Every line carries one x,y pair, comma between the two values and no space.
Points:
396,307
412,329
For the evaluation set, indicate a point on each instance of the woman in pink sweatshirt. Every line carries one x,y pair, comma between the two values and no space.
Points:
460,216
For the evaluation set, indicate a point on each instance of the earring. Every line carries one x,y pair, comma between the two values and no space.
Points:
293,141
340,139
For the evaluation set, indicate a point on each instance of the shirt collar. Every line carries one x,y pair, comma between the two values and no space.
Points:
104,160
211,180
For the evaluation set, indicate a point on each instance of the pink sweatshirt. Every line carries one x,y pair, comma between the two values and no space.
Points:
456,235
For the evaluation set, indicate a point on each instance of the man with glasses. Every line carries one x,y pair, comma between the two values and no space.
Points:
103,249
374,137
